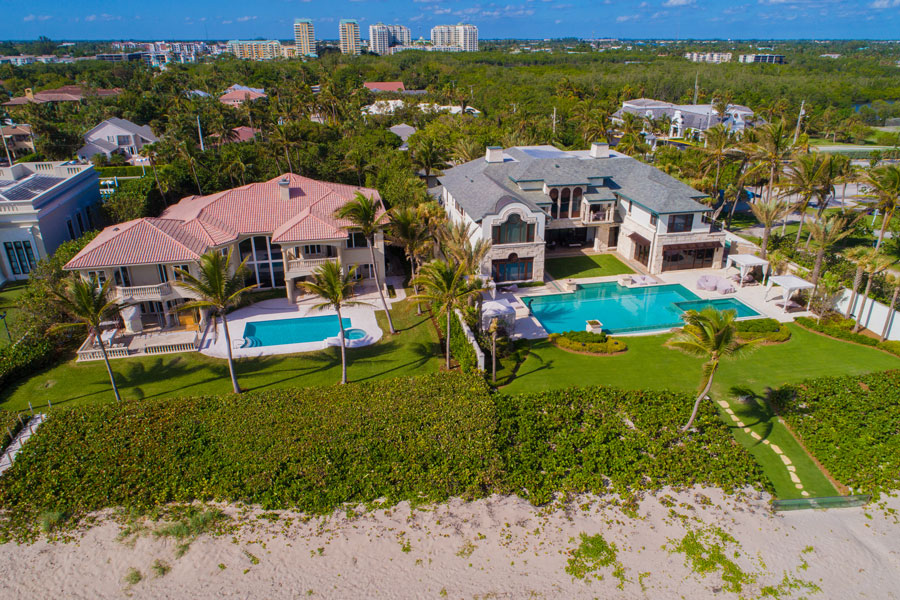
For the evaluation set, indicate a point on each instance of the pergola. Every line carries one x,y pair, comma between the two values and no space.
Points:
790,284
745,262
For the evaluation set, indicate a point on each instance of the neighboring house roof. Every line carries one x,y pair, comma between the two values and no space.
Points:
98,146
187,229
197,93
16,130
243,88
67,93
387,107
694,116
384,86
403,131
482,188
238,96
241,134
142,131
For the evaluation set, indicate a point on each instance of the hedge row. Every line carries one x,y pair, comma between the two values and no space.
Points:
129,171
10,423
767,330
23,358
579,341
460,348
838,327
418,439
850,424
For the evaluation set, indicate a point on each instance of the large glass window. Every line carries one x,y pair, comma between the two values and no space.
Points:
513,231
680,223
554,210
356,239
122,277
576,203
564,200
20,256
512,269
263,261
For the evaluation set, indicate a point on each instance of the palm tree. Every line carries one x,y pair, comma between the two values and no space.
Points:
335,288
185,154
768,212
445,288
428,155
149,152
710,334
410,232
632,144
457,245
467,149
719,147
858,255
631,124
365,214
88,304
893,281
805,177
885,182
873,263
825,234
217,288
771,148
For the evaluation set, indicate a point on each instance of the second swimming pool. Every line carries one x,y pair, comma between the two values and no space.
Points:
624,310
296,331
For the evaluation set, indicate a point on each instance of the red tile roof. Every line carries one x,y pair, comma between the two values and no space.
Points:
384,86
189,228
239,96
66,93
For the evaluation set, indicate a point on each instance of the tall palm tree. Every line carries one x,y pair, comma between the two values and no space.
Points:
885,182
845,173
335,288
632,144
467,149
719,147
407,230
88,304
631,124
149,152
217,288
770,150
366,215
428,155
805,177
768,212
893,281
185,154
858,255
873,263
710,334
825,234
445,287
457,245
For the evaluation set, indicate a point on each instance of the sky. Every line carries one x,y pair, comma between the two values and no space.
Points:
240,19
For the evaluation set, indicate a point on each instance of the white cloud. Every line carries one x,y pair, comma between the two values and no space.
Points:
90,18
678,2
624,18
245,19
885,4
28,18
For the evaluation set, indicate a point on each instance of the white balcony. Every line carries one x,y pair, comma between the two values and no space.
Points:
305,266
144,293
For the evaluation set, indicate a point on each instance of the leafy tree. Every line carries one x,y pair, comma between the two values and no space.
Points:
131,200
709,334
335,288
428,154
217,288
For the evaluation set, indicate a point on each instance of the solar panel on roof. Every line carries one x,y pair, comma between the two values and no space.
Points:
31,188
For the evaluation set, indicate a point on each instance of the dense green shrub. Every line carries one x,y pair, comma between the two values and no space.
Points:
26,356
10,423
583,341
460,348
850,424
131,200
767,330
128,171
423,439
838,327
602,439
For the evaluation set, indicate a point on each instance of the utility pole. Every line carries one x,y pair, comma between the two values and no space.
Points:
696,86
200,133
799,120
5,147
554,121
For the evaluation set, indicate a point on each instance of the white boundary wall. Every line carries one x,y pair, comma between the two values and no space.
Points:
479,354
874,314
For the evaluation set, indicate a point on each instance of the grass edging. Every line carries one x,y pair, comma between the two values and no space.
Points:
840,487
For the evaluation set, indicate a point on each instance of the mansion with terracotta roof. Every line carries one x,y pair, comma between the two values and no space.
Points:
284,228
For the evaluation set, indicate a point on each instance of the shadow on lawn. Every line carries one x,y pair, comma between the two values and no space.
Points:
753,409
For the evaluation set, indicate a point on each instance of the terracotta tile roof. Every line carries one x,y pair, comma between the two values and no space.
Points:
384,86
66,93
189,228
238,96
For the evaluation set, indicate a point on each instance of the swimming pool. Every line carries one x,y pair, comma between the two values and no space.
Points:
293,331
622,309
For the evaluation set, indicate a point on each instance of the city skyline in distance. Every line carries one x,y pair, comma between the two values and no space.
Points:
660,19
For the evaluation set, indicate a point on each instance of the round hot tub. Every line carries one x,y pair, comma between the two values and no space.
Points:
354,334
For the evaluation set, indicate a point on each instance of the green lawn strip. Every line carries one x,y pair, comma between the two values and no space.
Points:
593,265
9,295
412,351
650,365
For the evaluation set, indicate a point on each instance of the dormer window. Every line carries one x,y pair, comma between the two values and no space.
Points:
513,231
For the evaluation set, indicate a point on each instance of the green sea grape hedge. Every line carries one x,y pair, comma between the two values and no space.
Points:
9,424
767,330
601,439
29,354
460,348
851,424
419,439
590,343
838,327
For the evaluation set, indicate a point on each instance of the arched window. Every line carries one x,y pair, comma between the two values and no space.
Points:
513,231
554,211
564,203
576,203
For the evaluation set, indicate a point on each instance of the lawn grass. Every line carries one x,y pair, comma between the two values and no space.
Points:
9,296
650,365
593,265
413,351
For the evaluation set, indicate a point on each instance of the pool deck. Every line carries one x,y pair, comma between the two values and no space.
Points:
528,327
361,317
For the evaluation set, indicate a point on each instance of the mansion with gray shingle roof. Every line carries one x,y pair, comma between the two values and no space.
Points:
532,200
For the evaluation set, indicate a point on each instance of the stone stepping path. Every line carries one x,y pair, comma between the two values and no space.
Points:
9,455
792,470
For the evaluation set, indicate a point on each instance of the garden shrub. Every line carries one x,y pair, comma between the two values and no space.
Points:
838,327
26,356
850,424
10,423
126,171
766,330
590,343
601,439
460,348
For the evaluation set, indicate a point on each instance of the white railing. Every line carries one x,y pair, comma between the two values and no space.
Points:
8,207
97,354
90,352
144,292
170,348
303,264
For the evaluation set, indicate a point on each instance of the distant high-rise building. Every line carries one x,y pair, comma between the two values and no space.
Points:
776,59
255,49
350,36
464,37
305,37
708,57
384,37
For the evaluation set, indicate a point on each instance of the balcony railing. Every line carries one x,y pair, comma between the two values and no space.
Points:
9,207
144,292
306,264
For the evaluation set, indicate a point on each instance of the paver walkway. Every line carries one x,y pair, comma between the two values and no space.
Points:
9,455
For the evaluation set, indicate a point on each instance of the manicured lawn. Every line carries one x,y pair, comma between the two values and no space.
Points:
413,351
9,295
594,265
649,365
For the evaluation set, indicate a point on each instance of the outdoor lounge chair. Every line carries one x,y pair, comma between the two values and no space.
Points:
723,286
707,283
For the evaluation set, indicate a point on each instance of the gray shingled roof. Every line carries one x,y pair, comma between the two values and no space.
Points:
478,185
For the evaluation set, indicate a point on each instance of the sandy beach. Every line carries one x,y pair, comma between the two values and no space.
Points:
499,547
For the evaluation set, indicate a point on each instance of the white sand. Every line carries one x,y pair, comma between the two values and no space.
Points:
500,547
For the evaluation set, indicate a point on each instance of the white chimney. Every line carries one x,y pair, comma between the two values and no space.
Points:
599,150
284,189
494,154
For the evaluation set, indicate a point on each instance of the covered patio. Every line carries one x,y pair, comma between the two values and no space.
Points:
789,284
745,263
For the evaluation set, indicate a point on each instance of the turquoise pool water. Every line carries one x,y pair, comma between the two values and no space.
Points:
293,331
622,309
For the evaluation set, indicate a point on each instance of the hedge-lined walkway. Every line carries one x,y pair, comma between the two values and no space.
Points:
742,384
